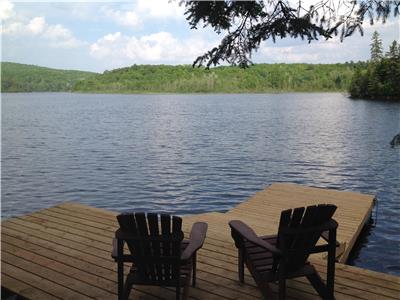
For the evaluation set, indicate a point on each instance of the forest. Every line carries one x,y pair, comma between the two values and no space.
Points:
379,78
258,78
28,78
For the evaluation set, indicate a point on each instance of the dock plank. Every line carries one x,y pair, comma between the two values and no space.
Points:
21,288
42,284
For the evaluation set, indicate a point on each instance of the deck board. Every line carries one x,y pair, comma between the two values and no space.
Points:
64,252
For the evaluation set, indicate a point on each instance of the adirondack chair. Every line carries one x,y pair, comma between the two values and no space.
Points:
283,256
158,253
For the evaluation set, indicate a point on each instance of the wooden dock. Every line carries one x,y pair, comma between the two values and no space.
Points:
63,252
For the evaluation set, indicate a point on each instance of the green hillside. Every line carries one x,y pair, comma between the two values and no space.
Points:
28,78
181,79
185,79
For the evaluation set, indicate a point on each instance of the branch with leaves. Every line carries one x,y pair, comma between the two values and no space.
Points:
245,24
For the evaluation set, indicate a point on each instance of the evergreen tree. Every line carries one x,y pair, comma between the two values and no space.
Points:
394,50
380,78
376,47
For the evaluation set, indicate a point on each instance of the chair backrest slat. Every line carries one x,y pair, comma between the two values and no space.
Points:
284,222
176,231
141,224
145,247
165,224
176,224
297,217
166,231
152,219
156,254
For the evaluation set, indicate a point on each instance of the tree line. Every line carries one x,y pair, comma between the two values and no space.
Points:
260,78
379,78
28,78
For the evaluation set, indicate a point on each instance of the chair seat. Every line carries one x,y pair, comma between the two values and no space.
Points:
133,277
263,261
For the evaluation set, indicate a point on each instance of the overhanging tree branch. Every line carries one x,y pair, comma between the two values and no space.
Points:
271,19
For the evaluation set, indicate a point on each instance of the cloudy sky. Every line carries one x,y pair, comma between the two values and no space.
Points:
97,36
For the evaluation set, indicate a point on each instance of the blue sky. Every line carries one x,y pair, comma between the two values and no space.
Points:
97,36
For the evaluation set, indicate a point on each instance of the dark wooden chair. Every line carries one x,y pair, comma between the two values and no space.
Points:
158,253
285,255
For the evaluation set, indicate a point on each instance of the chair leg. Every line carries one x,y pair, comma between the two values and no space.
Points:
282,289
241,265
127,291
194,266
178,293
319,286
128,285
282,280
266,291
120,280
185,292
120,270
330,272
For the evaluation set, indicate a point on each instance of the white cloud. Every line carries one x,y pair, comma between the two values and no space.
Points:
61,37
6,10
316,52
144,10
156,48
57,36
56,32
388,31
36,25
160,8
126,18
12,28
331,51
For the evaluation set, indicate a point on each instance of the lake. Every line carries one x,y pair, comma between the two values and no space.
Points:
189,154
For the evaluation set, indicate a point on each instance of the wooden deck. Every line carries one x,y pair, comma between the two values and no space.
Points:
64,252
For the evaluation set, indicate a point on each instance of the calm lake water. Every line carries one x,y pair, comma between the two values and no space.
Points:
189,154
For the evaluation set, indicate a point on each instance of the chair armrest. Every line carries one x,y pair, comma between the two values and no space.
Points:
196,240
252,237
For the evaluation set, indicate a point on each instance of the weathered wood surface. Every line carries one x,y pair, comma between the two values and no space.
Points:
64,252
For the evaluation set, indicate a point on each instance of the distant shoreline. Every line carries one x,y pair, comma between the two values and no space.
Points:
165,79
188,93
